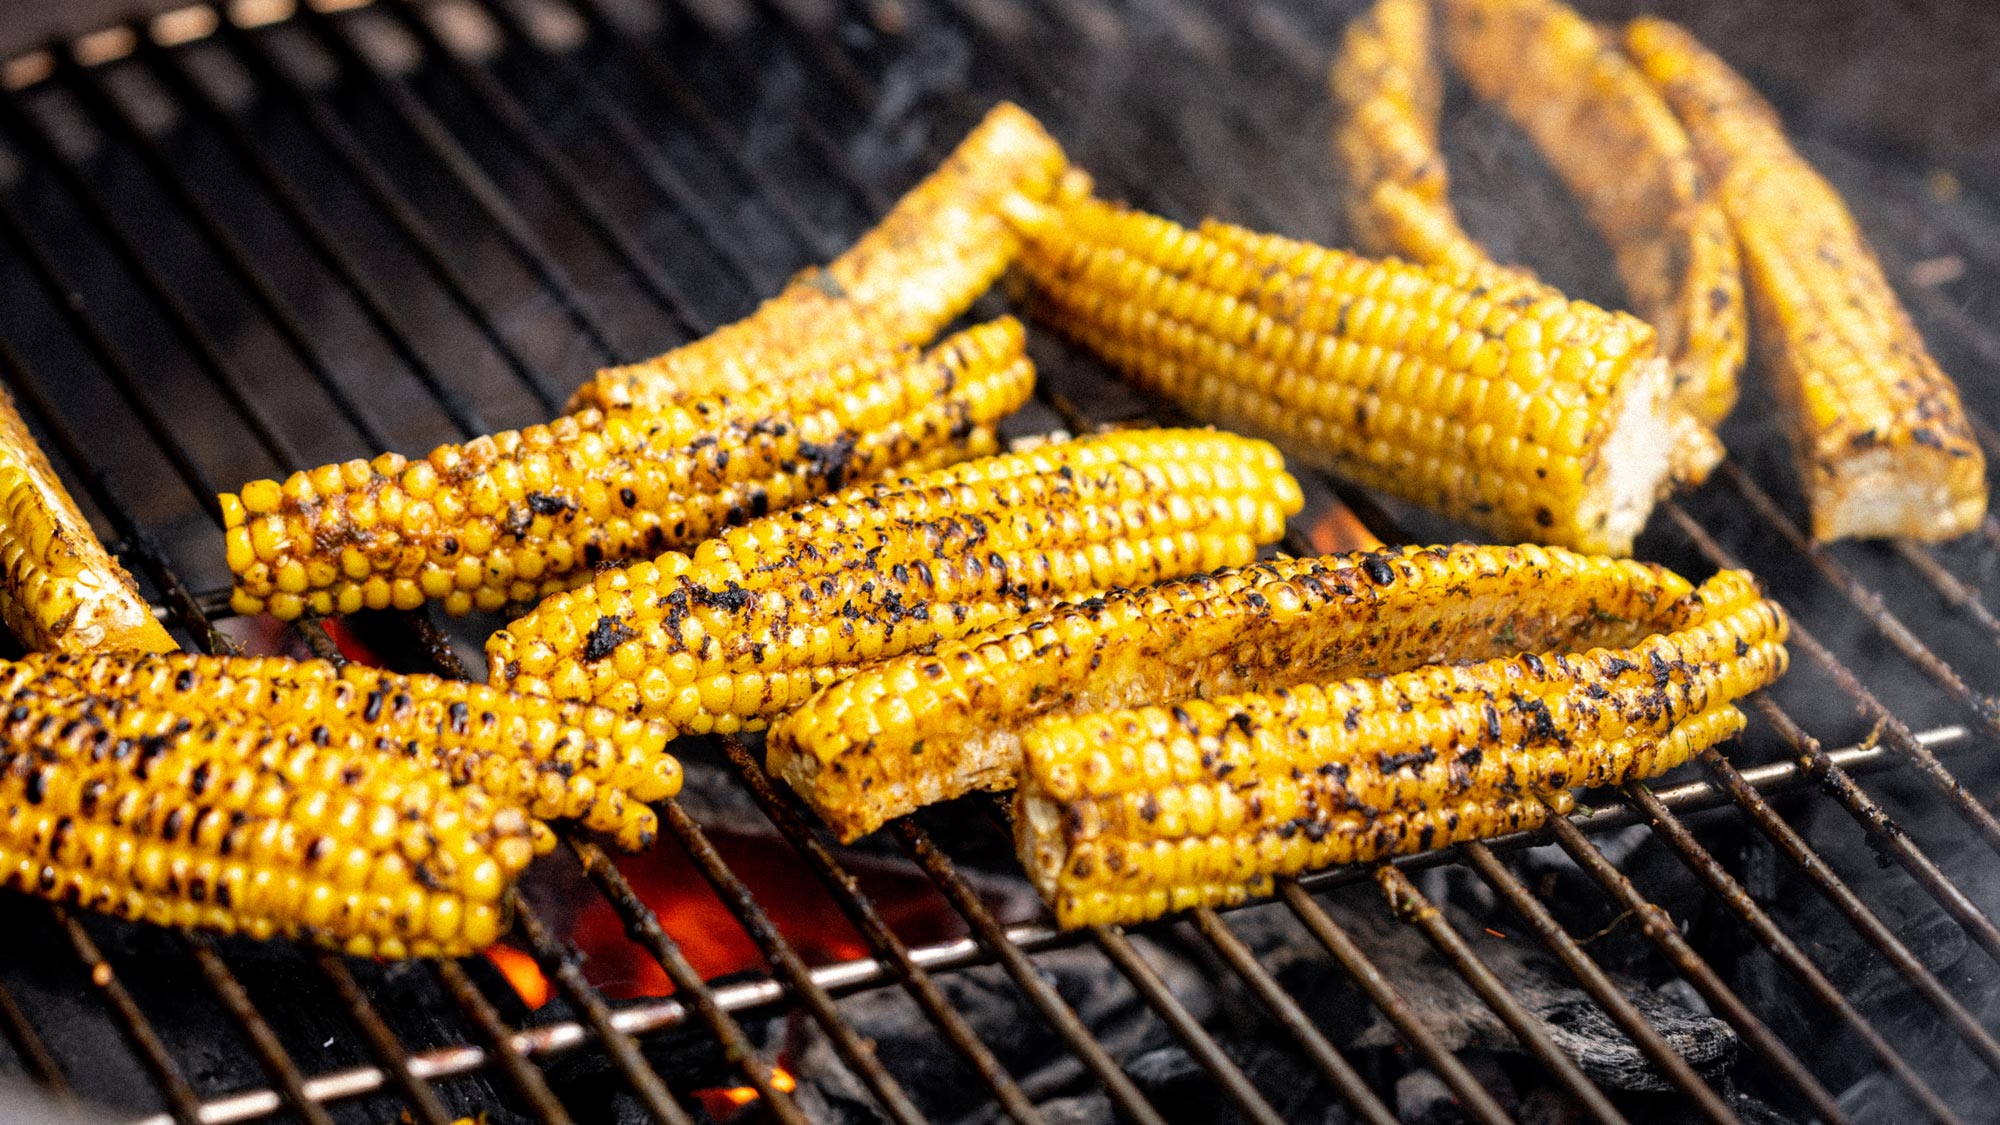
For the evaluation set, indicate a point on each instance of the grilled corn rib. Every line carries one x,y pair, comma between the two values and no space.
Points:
59,588
930,726
1387,95
268,831
1473,391
755,621
556,760
1615,143
519,516
1882,443
936,251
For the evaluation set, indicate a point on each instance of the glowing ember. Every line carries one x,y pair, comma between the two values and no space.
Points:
723,1103
1341,530
522,973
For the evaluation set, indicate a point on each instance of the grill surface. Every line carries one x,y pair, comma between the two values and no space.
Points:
244,245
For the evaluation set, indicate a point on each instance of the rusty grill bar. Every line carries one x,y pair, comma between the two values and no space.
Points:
320,170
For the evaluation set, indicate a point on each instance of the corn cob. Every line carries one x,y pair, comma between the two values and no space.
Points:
59,588
1387,95
930,726
522,515
1882,443
758,619
1525,414
1612,139
1140,803
936,251
558,761
267,831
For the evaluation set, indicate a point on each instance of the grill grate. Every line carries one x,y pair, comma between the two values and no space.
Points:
386,227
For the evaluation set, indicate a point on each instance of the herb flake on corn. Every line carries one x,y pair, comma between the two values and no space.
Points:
1880,437
516,517
60,589
755,621
1476,391
940,247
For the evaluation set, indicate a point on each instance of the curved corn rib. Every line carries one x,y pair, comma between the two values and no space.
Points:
527,513
1881,440
930,726
757,620
1475,392
1618,147
556,760
266,831
936,251
1387,95
59,588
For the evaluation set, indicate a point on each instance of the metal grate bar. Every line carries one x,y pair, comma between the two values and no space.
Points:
858,1054
535,143
180,1098
263,1041
394,208
1782,947
1323,1055
1472,1097
1600,987
1844,899
561,967
689,107
1858,803
889,949
1660,928
181,322
113,116
33,1050
644,926
501,1048
1131,1104
1409,905
389,1054
652,163
320,241
1186,1028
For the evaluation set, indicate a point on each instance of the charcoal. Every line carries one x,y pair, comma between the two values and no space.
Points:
1083,1109
1422,1098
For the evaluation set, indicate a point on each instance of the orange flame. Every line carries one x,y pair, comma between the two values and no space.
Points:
1340,530
522,973
736,1097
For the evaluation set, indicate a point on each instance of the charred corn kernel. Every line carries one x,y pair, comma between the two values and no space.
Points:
929,726
558,760
1882,442
247,828
59,588
932,255
1229,869
1293,770
1398,377
757,619
537,508
1387,95
1611,137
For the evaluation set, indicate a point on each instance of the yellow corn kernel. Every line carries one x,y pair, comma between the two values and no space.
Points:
931,256
249,828
59,588
929,726
1611,137
817,590
672,475
558,760
1882,443
1376,388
